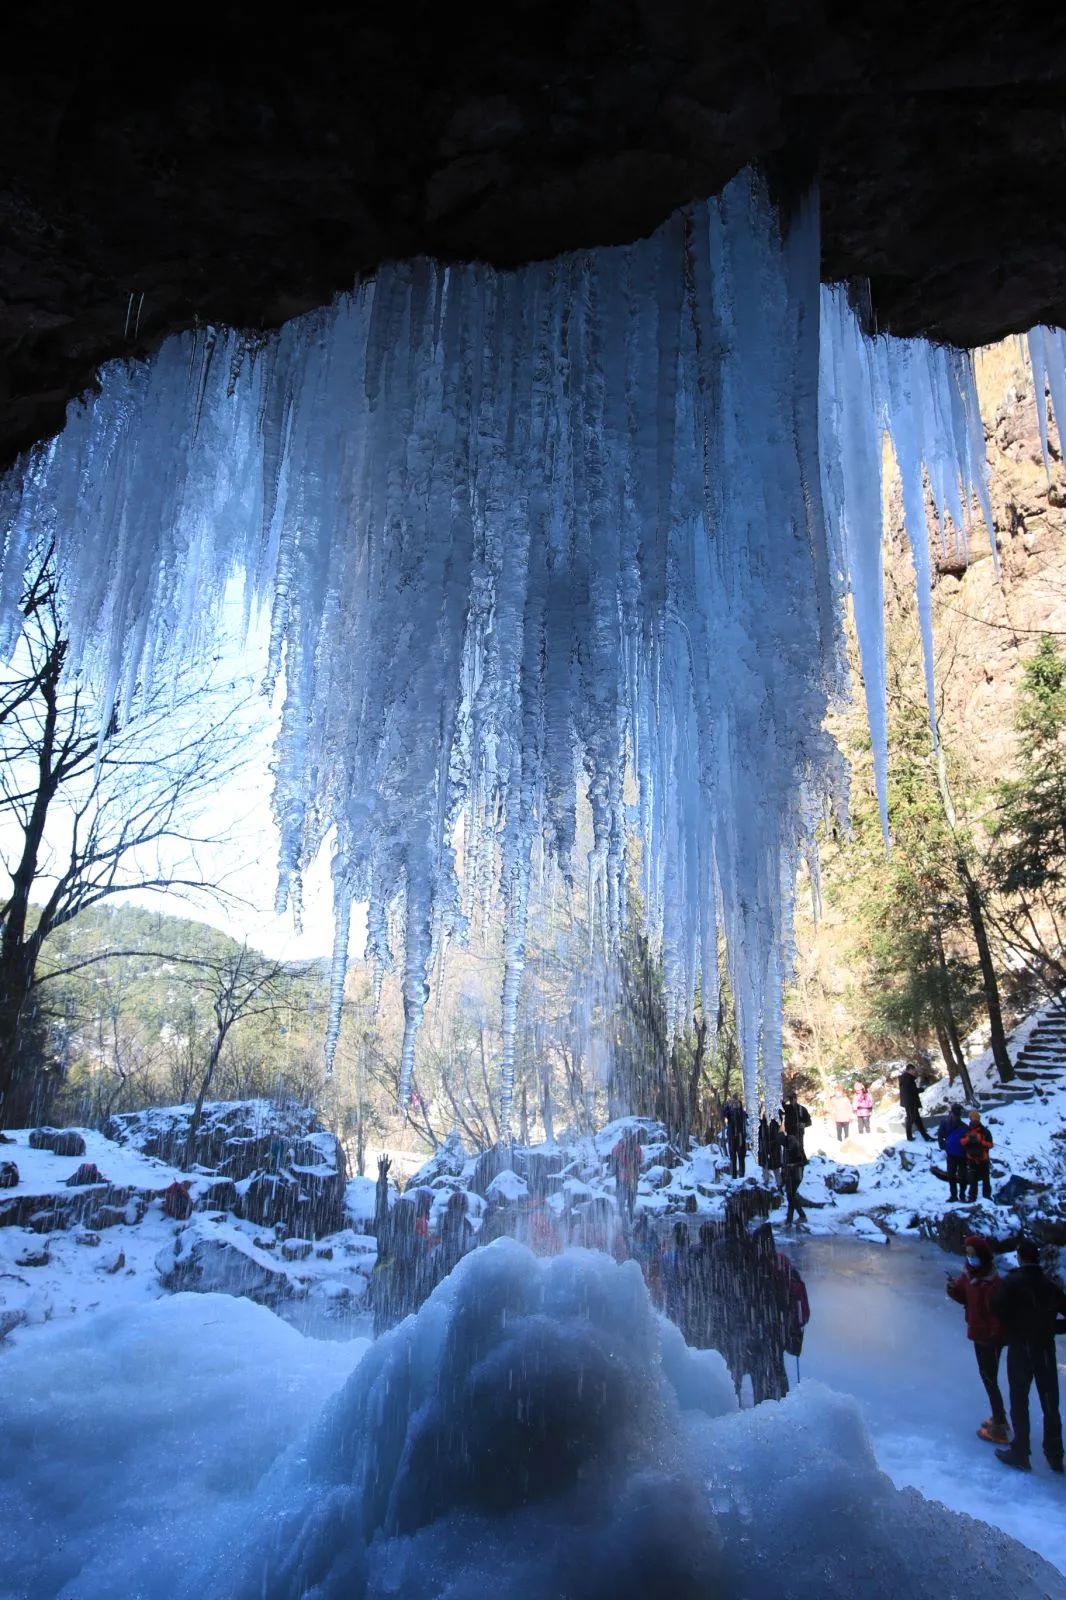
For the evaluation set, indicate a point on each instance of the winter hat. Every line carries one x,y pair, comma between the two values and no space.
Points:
975,1245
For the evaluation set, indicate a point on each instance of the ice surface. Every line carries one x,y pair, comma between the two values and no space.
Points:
884,1331
131,1436
536,1431
584,523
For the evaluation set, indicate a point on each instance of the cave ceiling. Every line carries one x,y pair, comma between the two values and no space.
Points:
229,164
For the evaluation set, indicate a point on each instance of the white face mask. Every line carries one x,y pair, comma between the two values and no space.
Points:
973,1261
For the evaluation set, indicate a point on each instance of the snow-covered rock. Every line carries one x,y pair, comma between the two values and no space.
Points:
209,1258
447,1161
866,1228
507,1187
842,1180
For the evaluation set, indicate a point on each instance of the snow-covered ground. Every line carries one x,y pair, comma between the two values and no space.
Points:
876,1185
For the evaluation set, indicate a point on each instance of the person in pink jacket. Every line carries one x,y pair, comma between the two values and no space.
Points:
863,1106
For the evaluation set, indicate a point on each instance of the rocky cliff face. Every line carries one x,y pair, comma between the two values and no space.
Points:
987,623
227,171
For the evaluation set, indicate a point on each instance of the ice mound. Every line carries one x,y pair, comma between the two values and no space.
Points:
132,1441
537,1432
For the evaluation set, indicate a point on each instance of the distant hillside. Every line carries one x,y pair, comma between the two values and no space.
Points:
136,1028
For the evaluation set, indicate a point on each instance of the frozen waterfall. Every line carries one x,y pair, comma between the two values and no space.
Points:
588,524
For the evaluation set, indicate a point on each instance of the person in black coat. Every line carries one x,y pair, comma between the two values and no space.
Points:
910,1098
1031,1308
736,1133
769,1148
795,1119
793,1163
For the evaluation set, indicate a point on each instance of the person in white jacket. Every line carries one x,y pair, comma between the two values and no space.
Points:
840,1110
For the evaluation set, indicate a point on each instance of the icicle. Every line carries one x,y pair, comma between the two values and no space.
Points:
587,525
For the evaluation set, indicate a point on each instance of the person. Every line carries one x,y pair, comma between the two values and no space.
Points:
625,1163
177,1201
644,1250
456,1237
1031,1310
793,1162
795,1119
769,1149
675,1273
840,1109
736,1124
976,1144
910,1098
769,1297
863,1107
796,1313
381,1196
398,1284
423,1207
950,1136
536,1224
975,1288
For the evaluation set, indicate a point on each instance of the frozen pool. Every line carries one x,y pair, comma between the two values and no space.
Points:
883,1330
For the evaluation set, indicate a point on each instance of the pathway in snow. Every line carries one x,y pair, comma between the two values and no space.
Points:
883,1330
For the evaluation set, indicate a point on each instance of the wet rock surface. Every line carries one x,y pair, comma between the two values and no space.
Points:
244,174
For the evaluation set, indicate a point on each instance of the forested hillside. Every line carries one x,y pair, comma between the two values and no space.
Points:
893,961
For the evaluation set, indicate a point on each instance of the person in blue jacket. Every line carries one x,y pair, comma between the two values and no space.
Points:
949,1136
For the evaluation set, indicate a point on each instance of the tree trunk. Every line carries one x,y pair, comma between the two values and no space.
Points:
19,1067
198,1109
989,981
945,1024
945,1050
546,1110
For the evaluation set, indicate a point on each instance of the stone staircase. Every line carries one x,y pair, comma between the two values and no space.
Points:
1039,1066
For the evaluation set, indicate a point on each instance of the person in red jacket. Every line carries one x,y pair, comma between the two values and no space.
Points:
625,1164
975,1288
976,1146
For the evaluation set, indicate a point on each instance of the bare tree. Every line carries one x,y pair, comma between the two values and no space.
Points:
91,805
241,984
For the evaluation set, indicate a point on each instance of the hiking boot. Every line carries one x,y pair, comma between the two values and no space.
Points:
1011,1458
1056,1464
994,1432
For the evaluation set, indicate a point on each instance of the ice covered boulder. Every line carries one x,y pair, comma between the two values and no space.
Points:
306,1201
955,1225
867,1229
61,1141
487,1167
815,1187
360,1202
237,1135
537,1431
9,1175
842,1179
447,1161
211,1258
506,1187
296,1249
652,1135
